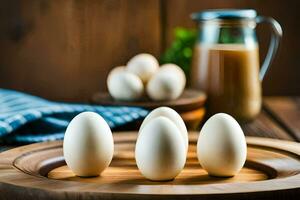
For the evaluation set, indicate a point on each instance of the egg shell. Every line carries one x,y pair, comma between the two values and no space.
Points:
173,68
221,147
123,85
116,70
167,84
143,65
160,151
173,116
88,144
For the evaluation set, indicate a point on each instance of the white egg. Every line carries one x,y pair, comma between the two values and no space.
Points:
222,148
173,116
88,144
116,70
167,84
123,85
172,68
143,65
160,151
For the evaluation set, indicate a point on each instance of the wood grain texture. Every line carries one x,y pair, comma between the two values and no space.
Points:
63,50
283,76
23,171
188,101
265,126
286,112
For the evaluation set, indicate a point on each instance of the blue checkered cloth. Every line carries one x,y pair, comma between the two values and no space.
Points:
27,119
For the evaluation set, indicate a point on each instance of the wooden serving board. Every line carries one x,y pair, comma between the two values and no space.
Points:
188,101
38,171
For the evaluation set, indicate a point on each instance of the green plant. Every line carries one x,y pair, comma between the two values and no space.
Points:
181,50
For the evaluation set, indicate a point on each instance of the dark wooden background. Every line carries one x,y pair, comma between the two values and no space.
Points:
63,50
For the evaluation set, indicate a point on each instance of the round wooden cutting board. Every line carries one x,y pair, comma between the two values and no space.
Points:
38,171
189,101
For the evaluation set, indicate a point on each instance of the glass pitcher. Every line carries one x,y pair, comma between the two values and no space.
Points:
226,60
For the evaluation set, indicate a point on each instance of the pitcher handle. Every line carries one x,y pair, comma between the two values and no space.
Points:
276,35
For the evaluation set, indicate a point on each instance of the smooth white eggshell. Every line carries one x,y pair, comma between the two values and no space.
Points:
221,147
88,144
167,84
123,85
160,151
116,70
143,65
173,68
173,116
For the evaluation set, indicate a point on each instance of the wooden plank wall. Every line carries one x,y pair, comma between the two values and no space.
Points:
63,50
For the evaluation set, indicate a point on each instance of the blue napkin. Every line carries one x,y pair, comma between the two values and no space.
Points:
25,118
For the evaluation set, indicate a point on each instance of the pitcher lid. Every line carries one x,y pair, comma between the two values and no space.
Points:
224,14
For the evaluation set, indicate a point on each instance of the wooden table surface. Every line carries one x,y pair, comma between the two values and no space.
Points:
279,118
